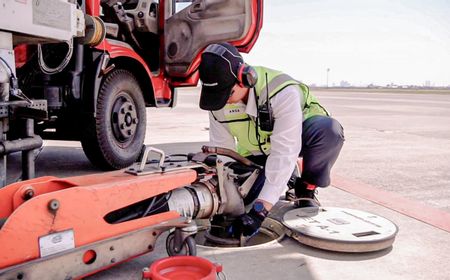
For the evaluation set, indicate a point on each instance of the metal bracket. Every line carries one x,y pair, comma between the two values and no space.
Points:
4,112
182,233
222,192
139,167
22,109
147,151
248,184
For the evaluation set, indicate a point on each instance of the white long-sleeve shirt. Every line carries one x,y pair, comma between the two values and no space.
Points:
286,139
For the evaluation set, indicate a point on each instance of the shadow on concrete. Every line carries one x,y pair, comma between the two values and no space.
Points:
66,161
342,256
184,147
262,262
270,261
53,161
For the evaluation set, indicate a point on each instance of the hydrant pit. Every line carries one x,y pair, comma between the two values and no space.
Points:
270,231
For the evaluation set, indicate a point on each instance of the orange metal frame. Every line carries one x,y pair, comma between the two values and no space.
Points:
83,203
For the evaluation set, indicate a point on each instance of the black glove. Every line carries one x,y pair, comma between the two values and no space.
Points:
247,224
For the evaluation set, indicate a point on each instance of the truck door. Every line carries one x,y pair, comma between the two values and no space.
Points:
192,25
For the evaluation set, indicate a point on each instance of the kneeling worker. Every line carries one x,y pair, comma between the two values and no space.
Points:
272,119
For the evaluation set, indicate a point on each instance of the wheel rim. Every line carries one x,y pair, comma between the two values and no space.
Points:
184,250
124,118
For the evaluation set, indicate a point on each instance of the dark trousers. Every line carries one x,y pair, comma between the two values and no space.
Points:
322,140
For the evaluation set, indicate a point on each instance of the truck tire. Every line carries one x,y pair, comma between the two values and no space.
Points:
114,138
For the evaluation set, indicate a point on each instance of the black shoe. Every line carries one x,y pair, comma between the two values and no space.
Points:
306,195
289,195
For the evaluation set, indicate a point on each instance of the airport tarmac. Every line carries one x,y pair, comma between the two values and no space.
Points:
394,163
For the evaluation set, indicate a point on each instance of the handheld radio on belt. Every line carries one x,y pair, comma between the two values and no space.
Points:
265,114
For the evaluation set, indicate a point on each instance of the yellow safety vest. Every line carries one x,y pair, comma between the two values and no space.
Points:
243,127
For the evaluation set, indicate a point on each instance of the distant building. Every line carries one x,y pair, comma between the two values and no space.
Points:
345,84
392,85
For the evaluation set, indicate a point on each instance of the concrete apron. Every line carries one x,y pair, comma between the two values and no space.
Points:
288,259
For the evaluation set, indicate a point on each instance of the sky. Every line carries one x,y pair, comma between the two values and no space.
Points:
361,41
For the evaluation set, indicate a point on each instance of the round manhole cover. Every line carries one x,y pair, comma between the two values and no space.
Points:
340,229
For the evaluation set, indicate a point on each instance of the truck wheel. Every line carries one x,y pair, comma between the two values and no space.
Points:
113,140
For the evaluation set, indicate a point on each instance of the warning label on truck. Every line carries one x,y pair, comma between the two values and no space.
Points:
56,242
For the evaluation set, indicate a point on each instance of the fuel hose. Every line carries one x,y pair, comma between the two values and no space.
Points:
230,153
